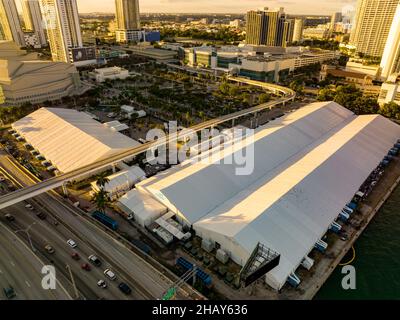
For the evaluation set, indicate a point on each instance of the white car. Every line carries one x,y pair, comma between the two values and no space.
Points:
102,284
111,275
29,207
72,243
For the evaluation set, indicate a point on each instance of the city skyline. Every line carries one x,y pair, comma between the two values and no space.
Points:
219,6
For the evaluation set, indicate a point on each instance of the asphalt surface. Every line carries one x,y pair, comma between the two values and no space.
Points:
146,282
21,269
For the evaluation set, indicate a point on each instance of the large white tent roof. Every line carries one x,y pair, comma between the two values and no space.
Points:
122,181
307,166
70,139
213,183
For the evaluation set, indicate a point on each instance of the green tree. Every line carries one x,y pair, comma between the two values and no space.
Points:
233,90
224,88
101,199
390,110
264,98
102,179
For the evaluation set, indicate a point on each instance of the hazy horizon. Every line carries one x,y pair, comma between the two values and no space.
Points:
326,7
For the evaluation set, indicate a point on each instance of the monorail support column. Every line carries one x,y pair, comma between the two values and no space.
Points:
65,190
256,118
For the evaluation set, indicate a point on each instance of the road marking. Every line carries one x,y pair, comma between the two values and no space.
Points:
27,283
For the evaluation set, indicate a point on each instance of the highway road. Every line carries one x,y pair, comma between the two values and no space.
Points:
21,269
44,232
60,180
146,281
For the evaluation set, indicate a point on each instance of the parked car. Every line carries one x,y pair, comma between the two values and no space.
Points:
30,207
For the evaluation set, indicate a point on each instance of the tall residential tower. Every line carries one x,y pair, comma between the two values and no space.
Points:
128,20
10,25
298,30
62,25
372,25
390,62
33,20
269,27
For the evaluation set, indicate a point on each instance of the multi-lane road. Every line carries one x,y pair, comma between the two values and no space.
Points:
22,270
146,281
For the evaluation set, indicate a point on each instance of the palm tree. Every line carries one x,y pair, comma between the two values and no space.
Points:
101,199
102,180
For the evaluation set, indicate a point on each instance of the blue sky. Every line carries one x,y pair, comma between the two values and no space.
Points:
221,6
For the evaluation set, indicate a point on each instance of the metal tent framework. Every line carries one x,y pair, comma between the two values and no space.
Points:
261,261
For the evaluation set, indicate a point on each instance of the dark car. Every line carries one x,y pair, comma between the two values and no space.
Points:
9,217
124,288
9,292
41,215
96,261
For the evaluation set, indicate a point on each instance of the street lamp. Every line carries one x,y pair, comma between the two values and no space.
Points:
73,281
26,231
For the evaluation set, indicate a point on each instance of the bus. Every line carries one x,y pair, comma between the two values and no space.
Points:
106,220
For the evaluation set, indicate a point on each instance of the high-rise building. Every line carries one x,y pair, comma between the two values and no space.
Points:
256,27
62,25
268,27
33,20
372,25
128,20
390,62
336,17
10,24
298,30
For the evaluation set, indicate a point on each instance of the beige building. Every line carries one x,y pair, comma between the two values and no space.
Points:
128,20
390,62
298,30
269,27
362,81
24,78
63,28
112,73
33,20
372,25
10,25
390,91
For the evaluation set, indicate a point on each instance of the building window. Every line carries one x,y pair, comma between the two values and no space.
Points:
383,94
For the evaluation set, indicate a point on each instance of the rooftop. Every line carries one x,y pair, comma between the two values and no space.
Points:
70,139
